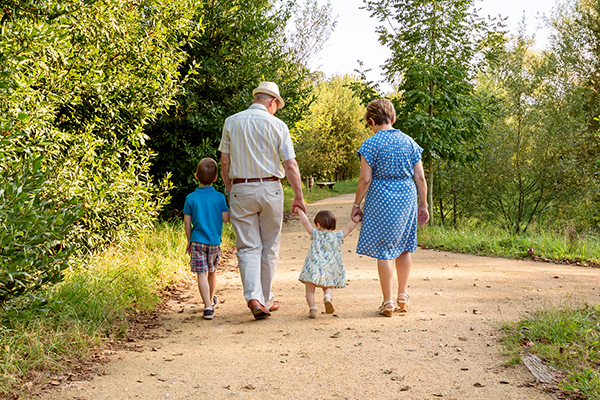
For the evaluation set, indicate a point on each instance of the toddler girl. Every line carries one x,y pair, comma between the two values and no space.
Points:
323,266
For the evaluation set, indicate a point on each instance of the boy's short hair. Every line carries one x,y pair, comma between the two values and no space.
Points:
206,172
326,219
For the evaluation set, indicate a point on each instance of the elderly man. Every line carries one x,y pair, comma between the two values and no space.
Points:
253,144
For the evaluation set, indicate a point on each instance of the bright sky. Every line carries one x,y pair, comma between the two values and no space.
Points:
355,39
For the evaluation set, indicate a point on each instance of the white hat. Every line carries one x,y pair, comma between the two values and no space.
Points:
271,89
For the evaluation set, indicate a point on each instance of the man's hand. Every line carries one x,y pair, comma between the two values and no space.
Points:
188,249
299,203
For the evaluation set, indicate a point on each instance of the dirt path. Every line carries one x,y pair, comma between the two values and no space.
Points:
446,347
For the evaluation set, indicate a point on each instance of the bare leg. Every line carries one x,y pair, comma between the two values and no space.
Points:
212,284
386,273
204,288
310,294
403,264
327,292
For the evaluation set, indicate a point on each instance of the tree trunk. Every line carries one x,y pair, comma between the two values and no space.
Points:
430,191
441,202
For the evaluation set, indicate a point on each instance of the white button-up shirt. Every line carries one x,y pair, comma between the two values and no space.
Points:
256,142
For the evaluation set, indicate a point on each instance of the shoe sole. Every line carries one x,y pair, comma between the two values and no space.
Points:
259,313
386,313
402,307
329,307
208,316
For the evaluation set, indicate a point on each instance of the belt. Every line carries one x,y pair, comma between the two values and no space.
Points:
250,180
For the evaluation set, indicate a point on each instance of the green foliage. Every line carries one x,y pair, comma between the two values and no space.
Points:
242,44
78,82
316,193
91,304
34,249
436,50
575,45
328,138
365,89
312,24
528,161
478,237
567,336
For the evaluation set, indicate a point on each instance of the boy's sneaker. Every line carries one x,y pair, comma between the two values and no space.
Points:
215,300
209,313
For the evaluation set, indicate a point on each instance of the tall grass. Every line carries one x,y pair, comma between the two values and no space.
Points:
92,303
566,336
541,245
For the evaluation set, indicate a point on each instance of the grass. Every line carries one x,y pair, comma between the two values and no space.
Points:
541,245
92,303
567,337
96,300
316,194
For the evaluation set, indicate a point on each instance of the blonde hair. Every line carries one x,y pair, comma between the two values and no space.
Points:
381,111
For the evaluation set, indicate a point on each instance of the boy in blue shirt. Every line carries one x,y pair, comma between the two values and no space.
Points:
204,213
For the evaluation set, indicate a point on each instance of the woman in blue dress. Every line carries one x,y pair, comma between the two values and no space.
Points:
391,176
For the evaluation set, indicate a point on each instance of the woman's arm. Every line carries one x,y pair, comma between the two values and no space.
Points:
419,177
364,182
304,219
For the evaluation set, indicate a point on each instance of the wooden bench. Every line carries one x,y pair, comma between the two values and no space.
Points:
325,184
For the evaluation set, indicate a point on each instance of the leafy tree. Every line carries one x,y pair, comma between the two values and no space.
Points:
436,46
242,44
312,26
575,43
528,163
328,138
78,82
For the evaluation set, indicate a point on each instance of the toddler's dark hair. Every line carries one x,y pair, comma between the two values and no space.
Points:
326,219
206,172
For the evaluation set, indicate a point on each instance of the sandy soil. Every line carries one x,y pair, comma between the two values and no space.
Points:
446,347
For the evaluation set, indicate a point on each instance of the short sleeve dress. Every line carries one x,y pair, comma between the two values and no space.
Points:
389,224
323,265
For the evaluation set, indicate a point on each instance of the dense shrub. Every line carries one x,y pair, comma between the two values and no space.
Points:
78,82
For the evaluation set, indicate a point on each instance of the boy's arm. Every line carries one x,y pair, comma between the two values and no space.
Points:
225,216
187,222
304,219
349,226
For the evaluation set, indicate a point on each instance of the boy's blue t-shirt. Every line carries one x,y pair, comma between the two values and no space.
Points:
206,205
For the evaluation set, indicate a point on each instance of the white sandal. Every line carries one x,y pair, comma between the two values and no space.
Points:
403,302
386,311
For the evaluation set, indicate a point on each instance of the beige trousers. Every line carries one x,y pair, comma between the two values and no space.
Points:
256,211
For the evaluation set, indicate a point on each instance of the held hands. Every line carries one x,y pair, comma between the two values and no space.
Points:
422,216
298,204
356,214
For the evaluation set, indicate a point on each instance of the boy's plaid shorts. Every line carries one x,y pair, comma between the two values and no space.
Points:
205,257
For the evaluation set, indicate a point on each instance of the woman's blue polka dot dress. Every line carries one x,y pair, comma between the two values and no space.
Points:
389,225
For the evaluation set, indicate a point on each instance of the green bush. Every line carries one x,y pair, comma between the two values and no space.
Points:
34,249
79,81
